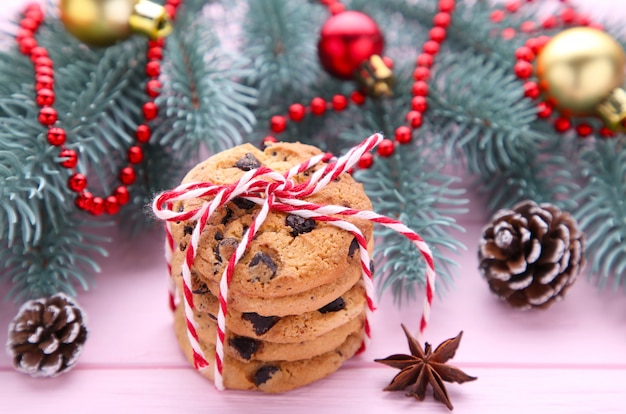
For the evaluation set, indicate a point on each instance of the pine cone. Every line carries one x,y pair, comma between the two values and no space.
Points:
531,254
47,336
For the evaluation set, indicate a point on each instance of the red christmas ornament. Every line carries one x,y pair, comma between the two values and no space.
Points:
346,41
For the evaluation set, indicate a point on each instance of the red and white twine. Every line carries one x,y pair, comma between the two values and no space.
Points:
277,192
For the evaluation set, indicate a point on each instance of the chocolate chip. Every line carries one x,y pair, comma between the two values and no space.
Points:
261,324
372,267
212,316
299,224
243,203
219,235
188,229
181,208
202,289
182,247
248,162
354,244
268,263
334,306
264,374
246,347
225,248
227,216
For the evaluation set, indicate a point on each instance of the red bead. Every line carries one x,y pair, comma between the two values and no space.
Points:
278,124
442,20
155,53
153,88
533,44
531,90
111,205
150,110
386,148
403,134
388,62
421,73
549,23
446,6
357,97
128,175
296,112
584,130
437,34
97,206
44,71
497,16
153,68
22,34
336,8
44,82
38,52
29,24
56,136
43,61
174,3
318,106
27,44
562,124
340,103
135,154
543,110
524,53
346,41
34,14
431,47
420,88
418,103
84,200
568,15
70,158
328,2
122,195
366,161
77,182
45,97
523,69
512,6
606,132
170,11
584,20
527,27
508,33
269,140
424,60
142,134
414,118
47,115
160,42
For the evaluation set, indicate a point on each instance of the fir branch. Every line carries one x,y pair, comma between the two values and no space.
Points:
602,209
280,35
410,187
58,262
202,103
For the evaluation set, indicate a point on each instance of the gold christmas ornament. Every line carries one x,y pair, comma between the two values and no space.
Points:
104,22
580,72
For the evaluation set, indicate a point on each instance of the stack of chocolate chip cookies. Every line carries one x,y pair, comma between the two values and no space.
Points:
296,302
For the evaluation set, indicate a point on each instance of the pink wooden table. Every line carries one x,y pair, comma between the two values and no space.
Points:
569,359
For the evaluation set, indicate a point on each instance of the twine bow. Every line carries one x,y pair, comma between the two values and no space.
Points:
281,194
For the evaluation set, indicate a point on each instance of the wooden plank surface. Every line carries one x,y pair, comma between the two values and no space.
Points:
569,359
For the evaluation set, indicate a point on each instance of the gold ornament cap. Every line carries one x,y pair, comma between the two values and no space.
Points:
375,77
580,71
105,22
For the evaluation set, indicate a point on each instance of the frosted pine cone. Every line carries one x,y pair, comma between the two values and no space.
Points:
47,336
531,254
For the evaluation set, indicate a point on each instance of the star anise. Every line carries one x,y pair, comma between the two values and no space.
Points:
426,367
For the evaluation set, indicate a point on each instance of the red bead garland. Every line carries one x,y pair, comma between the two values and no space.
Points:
44,87
523,67
414,117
